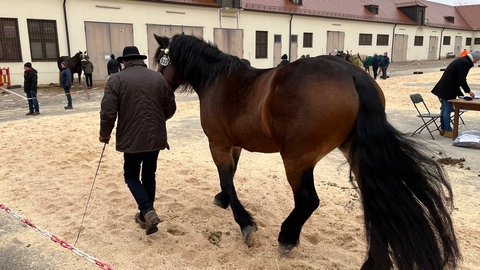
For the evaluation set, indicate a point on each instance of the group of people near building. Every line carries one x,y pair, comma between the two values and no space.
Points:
378,63
30,85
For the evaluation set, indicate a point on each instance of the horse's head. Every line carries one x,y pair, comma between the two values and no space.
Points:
164,65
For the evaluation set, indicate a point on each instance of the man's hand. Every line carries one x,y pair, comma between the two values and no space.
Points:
472,94
104,139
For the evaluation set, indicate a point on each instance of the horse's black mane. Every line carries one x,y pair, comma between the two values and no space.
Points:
200,62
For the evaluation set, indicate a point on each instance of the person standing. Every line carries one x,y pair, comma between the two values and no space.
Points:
113,65
142,101
284,61
448,87
384,62
375,65
30,84
357,61
87,67
66,83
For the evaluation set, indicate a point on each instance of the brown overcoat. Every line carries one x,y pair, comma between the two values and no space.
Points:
143,101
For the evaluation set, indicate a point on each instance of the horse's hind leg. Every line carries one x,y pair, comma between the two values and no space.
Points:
226,160
306,201
378,257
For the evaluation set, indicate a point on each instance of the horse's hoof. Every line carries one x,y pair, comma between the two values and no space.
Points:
248,233
286,248
220,201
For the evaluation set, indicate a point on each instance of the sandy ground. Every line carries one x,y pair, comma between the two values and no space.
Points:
48,163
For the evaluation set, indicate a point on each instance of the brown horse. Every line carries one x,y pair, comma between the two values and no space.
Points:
74,63
304,110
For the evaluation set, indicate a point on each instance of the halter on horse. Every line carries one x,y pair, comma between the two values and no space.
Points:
304,110
74,63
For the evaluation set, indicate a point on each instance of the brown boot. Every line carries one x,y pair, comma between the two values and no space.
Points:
448,134
151,221
442,131
140,222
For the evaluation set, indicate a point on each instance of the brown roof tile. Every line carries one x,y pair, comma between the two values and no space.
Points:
470,14
388,11
435,14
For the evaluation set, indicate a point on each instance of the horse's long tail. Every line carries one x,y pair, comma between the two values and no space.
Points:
405,193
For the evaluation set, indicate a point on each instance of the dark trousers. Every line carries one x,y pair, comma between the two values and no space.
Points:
384,72
142,190
32,101
375,71
88,78
66,89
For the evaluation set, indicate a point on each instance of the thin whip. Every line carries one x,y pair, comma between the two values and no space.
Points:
88,200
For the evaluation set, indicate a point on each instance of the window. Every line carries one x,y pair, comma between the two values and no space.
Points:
365,39
307,40
468,41
446,40
372,8
418,41
261,44
277,38
10,49
476,41
382,40
230,3
43,40
294,39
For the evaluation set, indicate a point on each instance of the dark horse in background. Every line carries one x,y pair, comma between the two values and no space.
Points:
74,63
304,110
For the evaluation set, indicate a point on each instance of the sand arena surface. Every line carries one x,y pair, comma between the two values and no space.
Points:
47,165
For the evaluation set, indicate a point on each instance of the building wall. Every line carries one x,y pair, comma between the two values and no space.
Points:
140,14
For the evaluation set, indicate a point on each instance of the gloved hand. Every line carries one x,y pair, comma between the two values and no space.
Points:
104,139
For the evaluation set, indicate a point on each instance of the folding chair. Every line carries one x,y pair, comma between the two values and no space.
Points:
460,119
424,113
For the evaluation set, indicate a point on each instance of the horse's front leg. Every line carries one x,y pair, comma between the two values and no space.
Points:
226,160
221,199
306,201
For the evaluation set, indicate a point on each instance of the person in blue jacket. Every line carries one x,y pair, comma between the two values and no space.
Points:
66,83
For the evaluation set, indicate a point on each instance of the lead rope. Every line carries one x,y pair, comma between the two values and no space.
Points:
88,200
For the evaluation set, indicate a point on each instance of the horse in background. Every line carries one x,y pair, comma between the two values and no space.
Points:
74,64
305,110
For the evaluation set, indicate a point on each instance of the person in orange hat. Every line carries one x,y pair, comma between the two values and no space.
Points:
449,86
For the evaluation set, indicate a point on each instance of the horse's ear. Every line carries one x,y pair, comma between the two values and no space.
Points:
158,38
162,41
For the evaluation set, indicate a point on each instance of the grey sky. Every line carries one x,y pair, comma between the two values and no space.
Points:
458,2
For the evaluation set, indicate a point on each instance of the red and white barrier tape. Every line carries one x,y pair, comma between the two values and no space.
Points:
71,92
57,240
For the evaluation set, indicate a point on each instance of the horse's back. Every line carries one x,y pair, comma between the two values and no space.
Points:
314,99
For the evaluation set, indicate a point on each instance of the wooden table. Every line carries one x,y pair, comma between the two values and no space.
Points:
462,104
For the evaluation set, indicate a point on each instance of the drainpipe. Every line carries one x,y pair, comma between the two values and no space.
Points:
290,39
393,39
441,42
66,25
